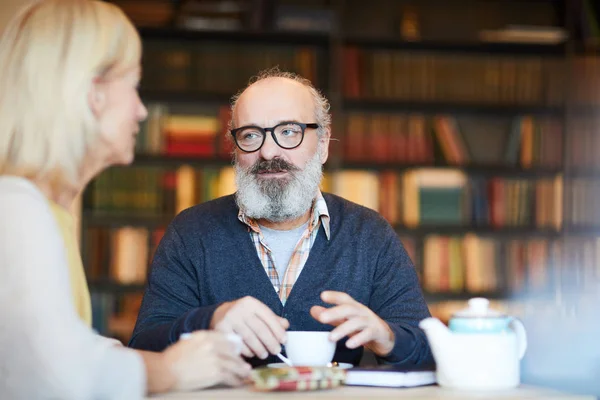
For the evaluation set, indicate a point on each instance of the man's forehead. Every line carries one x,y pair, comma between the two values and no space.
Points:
281,89
274,102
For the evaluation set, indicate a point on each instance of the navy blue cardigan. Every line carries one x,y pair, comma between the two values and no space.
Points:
206,257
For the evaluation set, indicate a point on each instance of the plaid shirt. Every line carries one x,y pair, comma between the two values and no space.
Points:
319,215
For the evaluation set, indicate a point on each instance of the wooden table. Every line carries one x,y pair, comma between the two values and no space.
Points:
354,392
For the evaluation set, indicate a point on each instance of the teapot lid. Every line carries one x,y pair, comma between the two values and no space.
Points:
478,318
478,308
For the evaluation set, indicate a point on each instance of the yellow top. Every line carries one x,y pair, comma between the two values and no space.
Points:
79,287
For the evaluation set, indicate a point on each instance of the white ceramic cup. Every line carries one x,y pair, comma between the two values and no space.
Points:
309,348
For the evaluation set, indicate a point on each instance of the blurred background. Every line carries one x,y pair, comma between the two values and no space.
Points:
471,125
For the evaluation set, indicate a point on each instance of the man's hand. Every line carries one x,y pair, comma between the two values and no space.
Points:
355,320
260,328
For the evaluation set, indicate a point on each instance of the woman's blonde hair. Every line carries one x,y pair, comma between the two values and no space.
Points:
50,55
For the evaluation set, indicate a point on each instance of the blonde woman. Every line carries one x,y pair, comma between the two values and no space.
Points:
69,108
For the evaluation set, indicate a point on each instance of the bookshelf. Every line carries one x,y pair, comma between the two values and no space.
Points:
441,103
448,107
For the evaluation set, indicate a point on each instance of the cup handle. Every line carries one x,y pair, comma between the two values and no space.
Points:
519,330
237,340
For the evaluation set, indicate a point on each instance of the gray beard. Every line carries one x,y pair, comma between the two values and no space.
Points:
278,200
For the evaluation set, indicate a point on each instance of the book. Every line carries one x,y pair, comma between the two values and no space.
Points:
390,376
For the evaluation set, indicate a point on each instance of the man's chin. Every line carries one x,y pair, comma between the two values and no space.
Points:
271,185
282,177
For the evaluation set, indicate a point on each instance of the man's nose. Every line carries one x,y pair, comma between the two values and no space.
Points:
270,149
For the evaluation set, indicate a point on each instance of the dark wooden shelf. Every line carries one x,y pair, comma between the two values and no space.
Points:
112,287
144,160
486,170
589,110
586,173
582,230
477,230
106,286
502,294
432,297
448,107
236,37
108,220
391,43
172,96
116,220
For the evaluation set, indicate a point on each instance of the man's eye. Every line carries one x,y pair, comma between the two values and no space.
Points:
290,131
250,135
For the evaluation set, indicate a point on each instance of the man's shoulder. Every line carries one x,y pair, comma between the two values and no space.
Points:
220,209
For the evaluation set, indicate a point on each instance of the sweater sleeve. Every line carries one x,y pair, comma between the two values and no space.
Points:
46,351
171,302
397,299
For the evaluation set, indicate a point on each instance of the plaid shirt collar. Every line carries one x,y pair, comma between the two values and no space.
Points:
319,213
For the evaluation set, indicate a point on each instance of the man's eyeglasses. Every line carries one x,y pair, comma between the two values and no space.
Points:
287,135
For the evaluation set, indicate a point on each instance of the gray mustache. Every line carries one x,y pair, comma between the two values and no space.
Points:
274,165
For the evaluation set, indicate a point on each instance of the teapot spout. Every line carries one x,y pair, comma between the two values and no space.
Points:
439,338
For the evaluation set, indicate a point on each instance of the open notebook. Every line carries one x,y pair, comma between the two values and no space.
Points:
390,376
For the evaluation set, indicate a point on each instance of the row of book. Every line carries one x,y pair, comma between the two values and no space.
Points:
155,191
121,254
403,138
580,269
430,77
581,207
114,315
436,197
217,68
453,140
411,198
173,133
480,264
584,143
447,265
437,77
465,263
585,81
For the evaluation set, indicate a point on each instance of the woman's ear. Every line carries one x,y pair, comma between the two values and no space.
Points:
96,99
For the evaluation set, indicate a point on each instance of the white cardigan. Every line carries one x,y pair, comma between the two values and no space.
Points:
46,351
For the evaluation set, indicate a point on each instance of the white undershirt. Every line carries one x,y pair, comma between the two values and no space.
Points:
282,245
46,351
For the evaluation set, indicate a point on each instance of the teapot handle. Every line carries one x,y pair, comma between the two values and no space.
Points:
519,330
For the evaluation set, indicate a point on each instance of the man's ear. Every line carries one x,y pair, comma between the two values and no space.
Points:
324,145
96,99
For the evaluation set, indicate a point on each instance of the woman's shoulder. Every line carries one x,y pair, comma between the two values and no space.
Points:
30,240
14,188
21,202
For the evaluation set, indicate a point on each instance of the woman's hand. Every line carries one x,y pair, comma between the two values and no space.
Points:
205,358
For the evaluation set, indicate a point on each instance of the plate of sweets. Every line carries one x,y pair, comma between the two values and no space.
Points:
297,378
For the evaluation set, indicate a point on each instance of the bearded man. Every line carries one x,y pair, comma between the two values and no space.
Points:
280,255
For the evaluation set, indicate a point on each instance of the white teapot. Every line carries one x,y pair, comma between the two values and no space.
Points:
481,350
